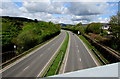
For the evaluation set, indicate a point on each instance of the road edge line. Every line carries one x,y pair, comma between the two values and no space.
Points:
22,58
94,59
63,66
43,70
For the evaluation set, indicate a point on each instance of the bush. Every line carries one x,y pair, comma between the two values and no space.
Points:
104,33
33,34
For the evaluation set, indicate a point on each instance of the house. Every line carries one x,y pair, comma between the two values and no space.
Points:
106,27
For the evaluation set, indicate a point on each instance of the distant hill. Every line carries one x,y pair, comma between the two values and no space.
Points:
84,24
62,24
18,18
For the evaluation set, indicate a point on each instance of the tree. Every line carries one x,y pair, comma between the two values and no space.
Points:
115,19
115,29
79,24
115,25
33,34
36,20
94,28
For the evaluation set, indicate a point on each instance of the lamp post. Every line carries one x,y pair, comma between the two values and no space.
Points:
14,48
78,32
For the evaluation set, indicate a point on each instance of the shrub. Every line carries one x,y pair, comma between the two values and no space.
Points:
33,34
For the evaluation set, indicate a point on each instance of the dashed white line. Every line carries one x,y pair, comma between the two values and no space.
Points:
49,48
80,59
41,55
26,68
88,51
19,60
76,45
41,72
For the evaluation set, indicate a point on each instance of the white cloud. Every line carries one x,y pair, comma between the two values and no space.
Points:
102,20
9,9
74,13
49,7
85,8
85,0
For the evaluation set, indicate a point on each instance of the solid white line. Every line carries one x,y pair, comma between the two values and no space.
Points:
67,53
17,61
89,52
50,59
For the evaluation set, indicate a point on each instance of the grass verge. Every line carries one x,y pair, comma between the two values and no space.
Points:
57,61
24,53
93,48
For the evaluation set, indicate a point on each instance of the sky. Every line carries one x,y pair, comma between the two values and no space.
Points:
61,11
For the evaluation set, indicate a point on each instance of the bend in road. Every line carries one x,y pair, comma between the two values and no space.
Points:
32,65
78,57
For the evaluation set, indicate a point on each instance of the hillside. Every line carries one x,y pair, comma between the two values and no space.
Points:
25,33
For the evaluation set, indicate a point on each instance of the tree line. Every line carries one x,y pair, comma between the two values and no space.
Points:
25,34
113,39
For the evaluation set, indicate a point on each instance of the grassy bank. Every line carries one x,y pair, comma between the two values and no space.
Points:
93,48
55,65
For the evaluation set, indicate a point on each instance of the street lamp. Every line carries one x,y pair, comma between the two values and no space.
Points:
78,32
14,48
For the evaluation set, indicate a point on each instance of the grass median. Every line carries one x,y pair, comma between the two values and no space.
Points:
57,61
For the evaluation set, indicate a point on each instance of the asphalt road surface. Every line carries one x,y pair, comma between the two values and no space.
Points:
78,57
33,65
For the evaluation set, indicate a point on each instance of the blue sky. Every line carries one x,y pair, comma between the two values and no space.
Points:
62,12
19,4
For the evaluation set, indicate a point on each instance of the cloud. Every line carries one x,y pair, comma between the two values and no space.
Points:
85,8
69,12
60,0
48,7
87,18
103,20
9,9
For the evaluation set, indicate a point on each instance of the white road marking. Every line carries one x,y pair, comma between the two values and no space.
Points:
26,68
49,48
78,51
80,59
41,55
22,58
88,51
76,45
67,53
50,59
54,44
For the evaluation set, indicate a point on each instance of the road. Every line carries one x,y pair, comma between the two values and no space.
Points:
78,57
34,64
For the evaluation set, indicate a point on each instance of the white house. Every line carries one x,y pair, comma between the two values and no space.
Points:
106,27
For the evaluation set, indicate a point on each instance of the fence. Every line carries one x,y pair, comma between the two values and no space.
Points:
111,55
7,56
